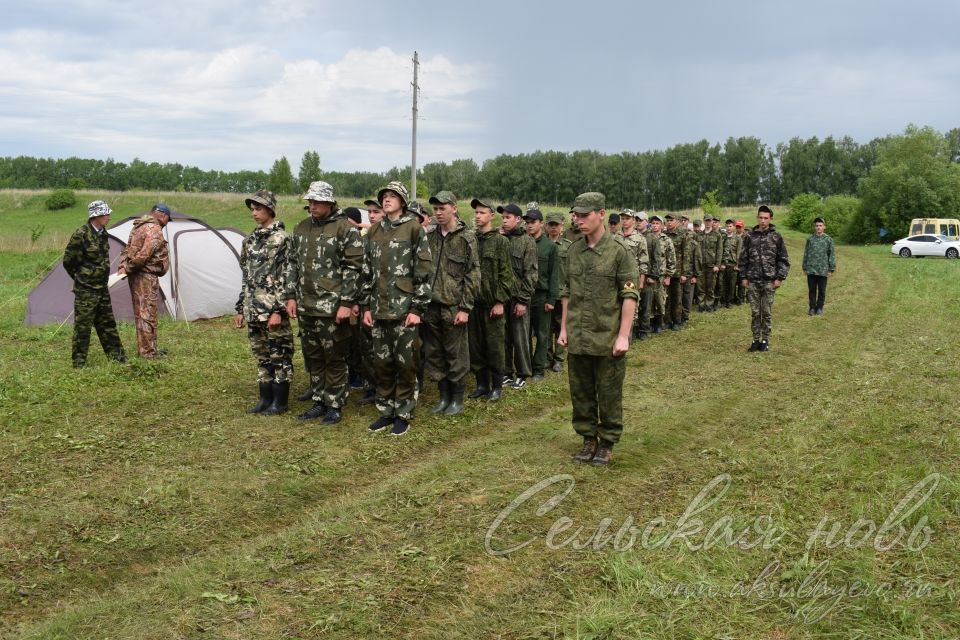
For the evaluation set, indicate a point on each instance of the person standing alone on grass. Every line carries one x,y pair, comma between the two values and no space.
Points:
764,266
87,260
819,263
263,263
599,297
144,261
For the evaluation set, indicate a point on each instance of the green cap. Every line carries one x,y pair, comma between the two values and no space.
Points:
264,197
482,202
555,218
444,197
590,201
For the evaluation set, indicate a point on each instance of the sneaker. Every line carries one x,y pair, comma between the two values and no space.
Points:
819,312
764,346
507,381
400,427
556,367
519,383
333,416
812,312
316,411
538,377
379,425
754,346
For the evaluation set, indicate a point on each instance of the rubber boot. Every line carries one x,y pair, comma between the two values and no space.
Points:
266,397
281,397
455,407
483,385
496,388
444,387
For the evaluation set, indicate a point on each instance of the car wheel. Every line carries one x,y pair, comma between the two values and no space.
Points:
952,254
905,253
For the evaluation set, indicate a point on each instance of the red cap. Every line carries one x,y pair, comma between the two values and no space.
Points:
738,223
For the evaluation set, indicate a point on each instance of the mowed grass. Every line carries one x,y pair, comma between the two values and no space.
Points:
141,501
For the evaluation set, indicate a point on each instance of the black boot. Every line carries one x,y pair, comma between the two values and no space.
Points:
281,397
483,385
455,407
496,385
444,387
306,395
266,397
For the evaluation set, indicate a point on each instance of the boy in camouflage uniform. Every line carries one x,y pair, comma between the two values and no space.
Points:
819,263
663,264
87,260
728,269
546,293
263,262
557,354
523,258
600,293
144,261
456,280
637,243
324,260
397,270
684,268
712,255
764,266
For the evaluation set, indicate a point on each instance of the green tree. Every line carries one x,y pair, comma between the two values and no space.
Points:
309,169
710,202
804,208
280,179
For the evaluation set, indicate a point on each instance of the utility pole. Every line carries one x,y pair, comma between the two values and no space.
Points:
413,158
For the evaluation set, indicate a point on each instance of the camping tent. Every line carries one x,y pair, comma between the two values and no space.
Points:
203,280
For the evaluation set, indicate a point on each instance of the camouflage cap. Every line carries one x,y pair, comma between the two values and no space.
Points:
555,218
264,197
669,216
698,222
482,202
371,203
656,218
443,197
640,215
626,213
589,201
398,188
415,208
320,191
533,205
98,208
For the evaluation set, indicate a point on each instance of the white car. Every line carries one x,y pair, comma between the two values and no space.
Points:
927,245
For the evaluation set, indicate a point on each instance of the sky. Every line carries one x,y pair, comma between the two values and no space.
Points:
236,84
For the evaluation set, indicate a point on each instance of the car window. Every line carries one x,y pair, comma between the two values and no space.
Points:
923,239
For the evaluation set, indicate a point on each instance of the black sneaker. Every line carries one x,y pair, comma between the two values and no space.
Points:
333,416
764,346
519,383
400,427
379,425
316,411
754,346
812,312
507,381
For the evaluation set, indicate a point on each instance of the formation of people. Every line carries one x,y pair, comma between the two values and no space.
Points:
410,297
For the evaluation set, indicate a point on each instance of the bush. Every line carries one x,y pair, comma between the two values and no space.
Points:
60,199
77,183
839,212
803,209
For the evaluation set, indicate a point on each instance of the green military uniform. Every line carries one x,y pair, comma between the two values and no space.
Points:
263,261
86,259
763,260
680,239
487,334
819,261
598,280
547,291
556,353
524,260
398,268
712,253
323,274
637,243
663,264
456,281
731,255
696,241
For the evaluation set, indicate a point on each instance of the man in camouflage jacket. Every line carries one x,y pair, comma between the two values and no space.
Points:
456,281
711,243
87,260
819,263
397,271
764,266
683,254
637,243
263,262
523,258
144,261
663,264
324,260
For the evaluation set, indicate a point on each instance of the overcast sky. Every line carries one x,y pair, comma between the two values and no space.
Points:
235,84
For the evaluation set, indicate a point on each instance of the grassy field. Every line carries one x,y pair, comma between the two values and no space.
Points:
809,492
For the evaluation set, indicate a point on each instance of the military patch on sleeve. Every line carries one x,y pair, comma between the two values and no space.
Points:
629,286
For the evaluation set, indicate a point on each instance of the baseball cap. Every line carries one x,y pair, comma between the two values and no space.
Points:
555,218
372,203
510,208
640,215
354,214
482,202
656,218
533,214
613,218
443,197
738,223
162,208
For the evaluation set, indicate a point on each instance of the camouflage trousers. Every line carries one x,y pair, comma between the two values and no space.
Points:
656,295
92,309
674,303
325,346
540,320
395,368
487,337
710,280
145,294
359,358
445,346
596,393
273,350
556,354
517,343
728,290
761,308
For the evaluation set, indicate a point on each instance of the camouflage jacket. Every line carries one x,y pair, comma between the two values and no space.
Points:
147,249
682,250
523,259
663,259
638,247
87,258
572,234
563,247
819,256
712,250
731,250
263,263
397,269
456,264
548,268
598,279
696,253
496,274
764,256
324,260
